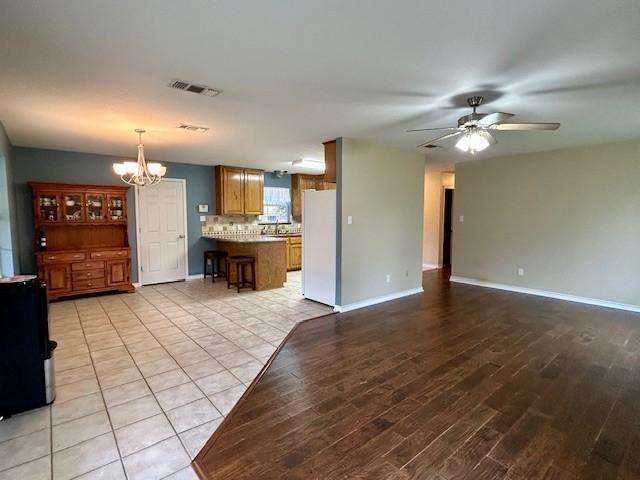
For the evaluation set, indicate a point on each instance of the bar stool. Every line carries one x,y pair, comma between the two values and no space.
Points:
216,257
241,263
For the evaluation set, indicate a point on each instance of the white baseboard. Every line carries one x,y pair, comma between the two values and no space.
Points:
136,284
430,266
376,300
543,293
197,276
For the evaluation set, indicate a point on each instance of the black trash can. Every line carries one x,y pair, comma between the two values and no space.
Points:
26,352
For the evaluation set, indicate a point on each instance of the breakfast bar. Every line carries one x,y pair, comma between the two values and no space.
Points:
269,252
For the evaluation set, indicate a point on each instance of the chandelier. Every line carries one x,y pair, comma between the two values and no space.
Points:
140,173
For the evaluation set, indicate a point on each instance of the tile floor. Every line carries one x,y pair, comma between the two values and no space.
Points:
144,379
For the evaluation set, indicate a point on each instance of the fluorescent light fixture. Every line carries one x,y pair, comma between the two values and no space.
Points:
308,163
472,142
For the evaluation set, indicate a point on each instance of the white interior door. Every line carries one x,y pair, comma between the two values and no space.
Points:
161,231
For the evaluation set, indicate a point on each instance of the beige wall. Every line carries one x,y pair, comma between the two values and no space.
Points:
570,218
382,189
434,184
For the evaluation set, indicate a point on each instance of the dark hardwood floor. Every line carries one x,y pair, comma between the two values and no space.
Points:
458,382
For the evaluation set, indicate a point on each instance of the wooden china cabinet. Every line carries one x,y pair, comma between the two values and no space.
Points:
87,247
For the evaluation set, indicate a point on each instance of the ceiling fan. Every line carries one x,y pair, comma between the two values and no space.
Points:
475,128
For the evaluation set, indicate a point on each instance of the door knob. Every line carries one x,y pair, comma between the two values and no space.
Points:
180,236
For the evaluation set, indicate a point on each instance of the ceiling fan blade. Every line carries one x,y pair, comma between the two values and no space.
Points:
432,129
525,126
495,117
490,138
448,135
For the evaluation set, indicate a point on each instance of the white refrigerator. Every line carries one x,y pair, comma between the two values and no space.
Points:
319,246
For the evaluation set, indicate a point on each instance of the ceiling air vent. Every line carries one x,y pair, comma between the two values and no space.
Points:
194,88
193,128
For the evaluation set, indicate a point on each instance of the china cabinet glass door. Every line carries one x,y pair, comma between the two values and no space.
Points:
95,207
48,207
117,208
72,207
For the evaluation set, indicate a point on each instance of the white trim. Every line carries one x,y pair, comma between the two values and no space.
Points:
376,300
197,276
186,232
136,284
543,293
430,266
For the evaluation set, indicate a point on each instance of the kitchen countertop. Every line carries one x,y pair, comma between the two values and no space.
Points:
248,239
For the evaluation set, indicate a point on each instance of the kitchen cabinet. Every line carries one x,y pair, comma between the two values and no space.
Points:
253,192
294,248
239,191
330,161
87,244
299,183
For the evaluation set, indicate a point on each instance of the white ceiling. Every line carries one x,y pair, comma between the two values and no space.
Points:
82,74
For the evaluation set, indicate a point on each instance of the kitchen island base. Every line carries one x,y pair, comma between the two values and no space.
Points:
271,260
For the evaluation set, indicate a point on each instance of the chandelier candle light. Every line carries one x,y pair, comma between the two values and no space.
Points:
140,173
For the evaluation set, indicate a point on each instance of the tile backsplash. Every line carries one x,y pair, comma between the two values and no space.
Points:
219,225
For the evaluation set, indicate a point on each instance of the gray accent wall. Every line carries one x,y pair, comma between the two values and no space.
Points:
570,218
382,189
272,180
33,164
8,234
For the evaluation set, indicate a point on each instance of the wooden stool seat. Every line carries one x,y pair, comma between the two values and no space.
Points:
241,263
216,257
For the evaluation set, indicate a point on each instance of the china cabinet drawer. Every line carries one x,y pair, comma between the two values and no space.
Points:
62,257
90,265
88,284
88,274
108,254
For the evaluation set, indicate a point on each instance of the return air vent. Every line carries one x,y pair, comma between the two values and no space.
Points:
193,128
193,88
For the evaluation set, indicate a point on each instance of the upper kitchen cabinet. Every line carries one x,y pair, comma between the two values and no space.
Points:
330,161
253,192
239,191
299,183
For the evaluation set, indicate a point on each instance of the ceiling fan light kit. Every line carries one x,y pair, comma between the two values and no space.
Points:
475,127
140,173
472,142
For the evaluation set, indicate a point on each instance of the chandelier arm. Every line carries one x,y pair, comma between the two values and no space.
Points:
141,176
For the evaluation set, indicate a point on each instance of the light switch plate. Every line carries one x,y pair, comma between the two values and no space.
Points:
461,218
203,208
349,220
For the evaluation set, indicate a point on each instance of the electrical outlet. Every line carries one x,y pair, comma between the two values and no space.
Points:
461,218
349,220
520,272
388,278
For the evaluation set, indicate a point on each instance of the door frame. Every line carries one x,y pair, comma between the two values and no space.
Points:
443,233
183,182
442,215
